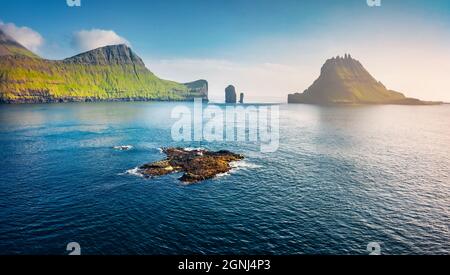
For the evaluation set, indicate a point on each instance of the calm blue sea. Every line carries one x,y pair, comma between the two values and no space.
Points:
342,177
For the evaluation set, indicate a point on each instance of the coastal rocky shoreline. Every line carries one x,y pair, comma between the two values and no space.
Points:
48,99
196,165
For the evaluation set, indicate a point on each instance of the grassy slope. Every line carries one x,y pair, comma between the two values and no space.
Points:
359,86
36,80
16,50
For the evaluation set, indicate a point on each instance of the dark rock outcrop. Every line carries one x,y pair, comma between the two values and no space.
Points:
344,80
230,94
197,165
241,98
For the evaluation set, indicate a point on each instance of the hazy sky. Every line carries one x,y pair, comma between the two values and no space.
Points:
265,48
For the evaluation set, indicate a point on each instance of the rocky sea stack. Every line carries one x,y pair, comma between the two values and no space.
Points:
197,165
344,80
241,98
230,95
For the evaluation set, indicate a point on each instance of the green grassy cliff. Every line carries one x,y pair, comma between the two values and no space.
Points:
105,74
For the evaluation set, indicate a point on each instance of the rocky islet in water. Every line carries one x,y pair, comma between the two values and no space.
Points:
197,165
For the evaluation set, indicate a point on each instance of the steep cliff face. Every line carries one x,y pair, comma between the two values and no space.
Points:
200,87
344,80
112,73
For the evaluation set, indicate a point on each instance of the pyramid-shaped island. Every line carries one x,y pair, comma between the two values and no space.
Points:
344,80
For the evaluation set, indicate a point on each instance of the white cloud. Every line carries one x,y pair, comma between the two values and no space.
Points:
29,38
86,40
